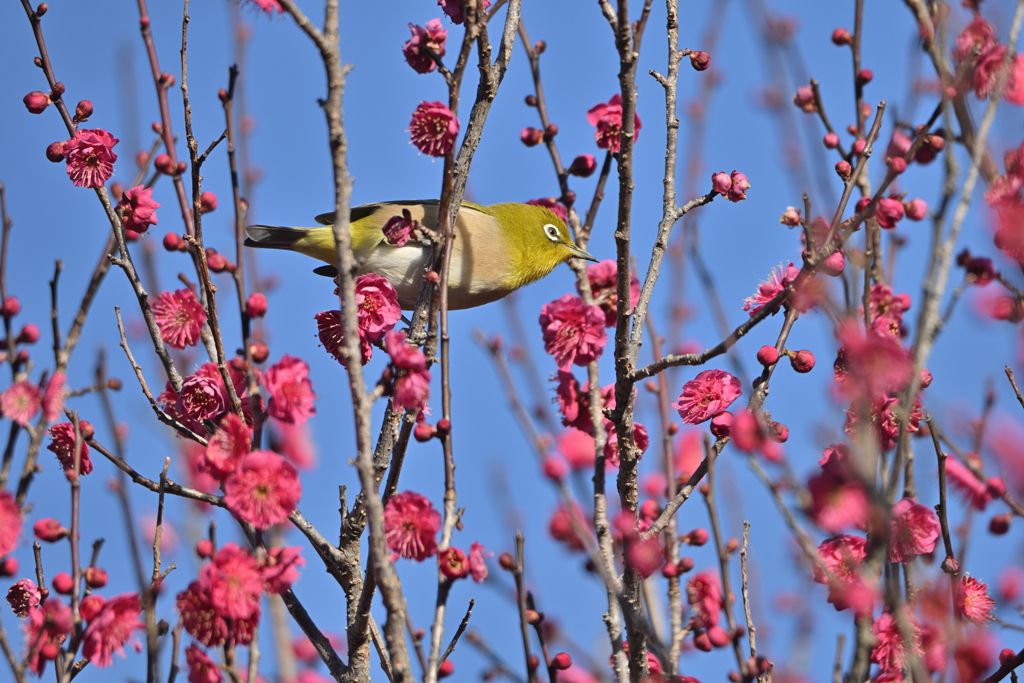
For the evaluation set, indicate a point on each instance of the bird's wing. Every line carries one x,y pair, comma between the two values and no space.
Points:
367,210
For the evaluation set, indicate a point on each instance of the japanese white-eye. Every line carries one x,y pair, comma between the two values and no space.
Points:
497,249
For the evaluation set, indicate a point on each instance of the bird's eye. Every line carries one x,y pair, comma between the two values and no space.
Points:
552,232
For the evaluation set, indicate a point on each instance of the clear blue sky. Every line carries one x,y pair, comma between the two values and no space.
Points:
99,56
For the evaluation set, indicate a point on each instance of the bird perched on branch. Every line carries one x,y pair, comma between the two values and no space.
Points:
497,249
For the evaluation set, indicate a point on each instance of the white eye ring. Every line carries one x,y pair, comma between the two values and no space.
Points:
552,232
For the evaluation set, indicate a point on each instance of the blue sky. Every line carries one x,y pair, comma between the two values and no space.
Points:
98,55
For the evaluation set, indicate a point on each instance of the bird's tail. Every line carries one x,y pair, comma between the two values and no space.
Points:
274,236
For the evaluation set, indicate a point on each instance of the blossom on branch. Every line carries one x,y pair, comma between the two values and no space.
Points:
62,444
291,392
477,565
453,8
227,446
973,600
573,331
411,524
10,523
201,667
263,490
137,208
21,402
412,387
891,648
607,118
603,287
706,395
378,308
45,632
180,317
90,157
110,628
914,530
778,280
433,128
431,38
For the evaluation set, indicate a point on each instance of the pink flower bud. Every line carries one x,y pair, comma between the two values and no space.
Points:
950,565
49,530
721,424
778,432
862,203
858,146
697,537
995,486
747,431
767,355
841,37
181,167
29,334
531,137
721,183
95,577
718,637
833,265
702,642
1007,657
583,166
55,151
700,60
207,202
204,549
256,305
831,140
141,158
843,170
804,99
260,352
650,509
864,76
9,567
670,571
684,564
851,129
924,155
423,431
999,524
791,217
561,661
555,469
936,142
888,212
157,128
36,102
446,669
732,545
11,306
116,190
802,361
550,131
897,164
740,185
916,209
83,110
171,241
444,427
164,164
217,262
62,583
531,100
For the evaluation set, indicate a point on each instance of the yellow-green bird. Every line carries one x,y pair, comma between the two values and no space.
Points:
497,249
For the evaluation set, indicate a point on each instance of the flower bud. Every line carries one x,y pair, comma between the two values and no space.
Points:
721,424
41,9
700,60
9,567
767,355
831,140
114,384
29,334
446,669
48,529
864,76
217,262
116,190
916,209
95,577
132,236
167,80
862,203
555,469
222,95
802,361
58,90
550,131
718,636
444,427
843,170
157,128
11,307
181,167
583,166
841,37
63,583
260,352
171,241
423,432
740,185
650,509
735,676
995,487
506,562
83,110
55,151
897,164
778,432
86,428
531,137
804,99
561,661
1000,524
924,155
858,146
164,164
950,565
256,305
669,570
851,129
36,102
697,537
721,183
684,564
207,202
531,100
702,642
791,217
732,545
936,142
540,46
204,549
1007,657
747,431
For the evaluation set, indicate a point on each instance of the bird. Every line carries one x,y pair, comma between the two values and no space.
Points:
498,248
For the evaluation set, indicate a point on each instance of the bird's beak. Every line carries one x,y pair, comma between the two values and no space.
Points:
579,253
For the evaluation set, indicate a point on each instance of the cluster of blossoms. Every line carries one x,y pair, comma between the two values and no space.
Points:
377,312
223,604
411,524
977,45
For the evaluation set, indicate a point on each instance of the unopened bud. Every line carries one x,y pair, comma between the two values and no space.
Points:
702,642
49,530
157,128
95,577
858,146
207,202
217,262
950,565
841,37
36,102
171,241
259,351
1007,657
55,151
506,562
802,361
562,661
999,524
583,166
58,90
697,537
63,583
767,355
897,164
684,564
778,432
222,94
83,110
533,617
446,669
864,76
256,305
721,424
550,131
423,431
831,140
531,137
700,60
540,46
843,170
204,548
732,545
531,100
29,334
164,164
114,384
669,570
181,167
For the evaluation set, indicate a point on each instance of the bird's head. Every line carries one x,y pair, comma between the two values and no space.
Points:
538,240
